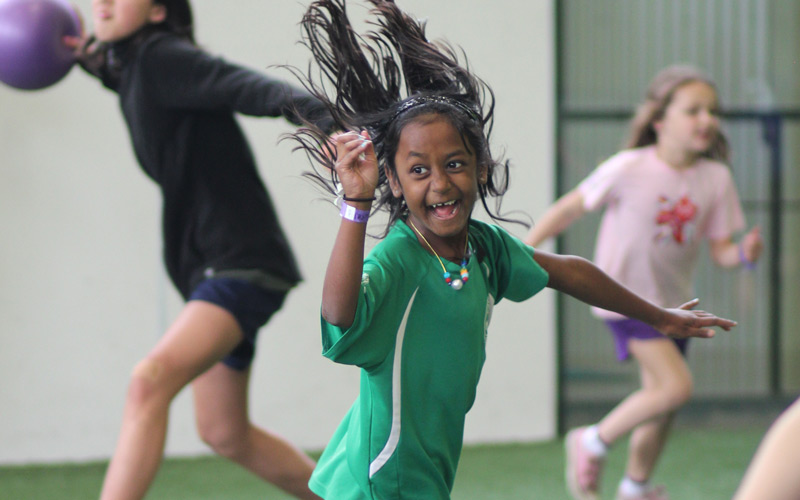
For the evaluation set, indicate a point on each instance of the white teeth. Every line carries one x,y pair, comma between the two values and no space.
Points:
447,203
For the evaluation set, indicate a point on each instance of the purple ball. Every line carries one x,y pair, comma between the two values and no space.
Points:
32,53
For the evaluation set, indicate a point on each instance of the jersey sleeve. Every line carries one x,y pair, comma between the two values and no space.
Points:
726,216
364,343
183,76
598,188
513,274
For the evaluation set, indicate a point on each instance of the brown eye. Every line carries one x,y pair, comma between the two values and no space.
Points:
418,169
456,164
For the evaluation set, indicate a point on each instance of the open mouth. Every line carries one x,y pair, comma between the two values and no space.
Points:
445,210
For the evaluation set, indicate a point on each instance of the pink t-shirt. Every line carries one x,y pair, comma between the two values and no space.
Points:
655,217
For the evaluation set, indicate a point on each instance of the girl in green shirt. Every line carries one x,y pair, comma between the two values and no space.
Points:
413,315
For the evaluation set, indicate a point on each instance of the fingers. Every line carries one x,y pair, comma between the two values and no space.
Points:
356,164
343,137
689,305
725,324
369,148
344,141
704,333
349,146
688,331
350,138
80,45
696,323
73,42
753,244
704,319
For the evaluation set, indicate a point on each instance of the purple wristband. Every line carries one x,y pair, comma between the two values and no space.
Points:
748,264
353,214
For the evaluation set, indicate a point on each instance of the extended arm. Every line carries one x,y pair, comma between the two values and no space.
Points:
185,76
357,169
586,282
726,253
557,218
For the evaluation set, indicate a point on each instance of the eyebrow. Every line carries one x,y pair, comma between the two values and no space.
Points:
415,154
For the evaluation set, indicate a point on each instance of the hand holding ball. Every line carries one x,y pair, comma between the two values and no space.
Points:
32,52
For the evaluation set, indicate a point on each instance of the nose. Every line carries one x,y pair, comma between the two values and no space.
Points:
440,181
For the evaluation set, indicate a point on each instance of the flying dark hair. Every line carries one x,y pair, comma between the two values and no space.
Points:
385,80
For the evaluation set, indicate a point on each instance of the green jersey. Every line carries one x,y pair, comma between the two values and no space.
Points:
421,345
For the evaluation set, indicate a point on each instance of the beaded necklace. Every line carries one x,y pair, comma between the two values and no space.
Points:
455,284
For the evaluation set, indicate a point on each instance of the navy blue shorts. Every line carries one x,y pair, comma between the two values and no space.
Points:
250,304
626,329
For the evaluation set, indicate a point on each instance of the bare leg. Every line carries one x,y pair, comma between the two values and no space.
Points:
645,447
221,406
202,334
773,471
666,386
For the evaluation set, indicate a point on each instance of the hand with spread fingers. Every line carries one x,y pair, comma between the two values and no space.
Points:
684,321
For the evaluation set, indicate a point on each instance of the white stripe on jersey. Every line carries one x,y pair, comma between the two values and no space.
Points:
394,433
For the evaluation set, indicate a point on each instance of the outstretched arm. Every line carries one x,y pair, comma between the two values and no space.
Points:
357,169
586,282
557,218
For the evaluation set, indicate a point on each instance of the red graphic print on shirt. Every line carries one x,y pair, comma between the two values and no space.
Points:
675,218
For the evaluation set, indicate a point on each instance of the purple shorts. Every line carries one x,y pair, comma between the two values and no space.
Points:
250,304
626,329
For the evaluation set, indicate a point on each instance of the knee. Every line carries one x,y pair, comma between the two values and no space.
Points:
146,385
678,391
225,439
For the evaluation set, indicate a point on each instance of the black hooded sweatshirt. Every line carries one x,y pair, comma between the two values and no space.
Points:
179,104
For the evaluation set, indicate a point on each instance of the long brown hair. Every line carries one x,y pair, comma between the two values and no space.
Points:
659,95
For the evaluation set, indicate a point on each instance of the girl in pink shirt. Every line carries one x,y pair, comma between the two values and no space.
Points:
662,195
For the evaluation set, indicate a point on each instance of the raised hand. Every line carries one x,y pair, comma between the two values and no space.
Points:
356,164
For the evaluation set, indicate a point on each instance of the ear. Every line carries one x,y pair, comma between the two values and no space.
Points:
483,175
394,184
658,125
158,13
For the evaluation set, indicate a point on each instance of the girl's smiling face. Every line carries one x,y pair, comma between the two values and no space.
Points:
115,20
691,122
437,174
